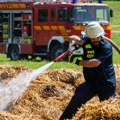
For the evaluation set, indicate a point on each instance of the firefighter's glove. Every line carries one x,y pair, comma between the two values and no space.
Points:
75,59
89,52
76,47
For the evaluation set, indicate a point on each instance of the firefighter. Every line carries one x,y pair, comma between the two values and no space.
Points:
98,69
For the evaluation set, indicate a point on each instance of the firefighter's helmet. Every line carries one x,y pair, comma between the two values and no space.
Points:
93,30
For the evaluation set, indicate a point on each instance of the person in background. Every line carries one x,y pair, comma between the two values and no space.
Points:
98,69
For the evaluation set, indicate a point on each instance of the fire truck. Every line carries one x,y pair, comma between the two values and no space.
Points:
35,29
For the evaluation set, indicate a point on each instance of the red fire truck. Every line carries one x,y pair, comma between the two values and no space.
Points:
42,29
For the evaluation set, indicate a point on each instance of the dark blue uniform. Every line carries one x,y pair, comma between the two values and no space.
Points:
100,80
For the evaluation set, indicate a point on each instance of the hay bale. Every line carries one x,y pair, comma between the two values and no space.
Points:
48,95
8,71
106,110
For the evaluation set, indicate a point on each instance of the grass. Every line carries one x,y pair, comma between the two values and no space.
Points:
34,64
114,5
115,21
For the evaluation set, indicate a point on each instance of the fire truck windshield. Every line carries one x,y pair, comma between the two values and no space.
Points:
81,14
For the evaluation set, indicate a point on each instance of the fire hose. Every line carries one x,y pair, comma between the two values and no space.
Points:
73,48
65,54
113,44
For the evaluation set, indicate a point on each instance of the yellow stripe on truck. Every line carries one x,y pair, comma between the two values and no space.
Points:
37,27
46,27
107,27
78,27
54,28
62,30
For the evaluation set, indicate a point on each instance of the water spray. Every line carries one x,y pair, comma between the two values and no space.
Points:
10,92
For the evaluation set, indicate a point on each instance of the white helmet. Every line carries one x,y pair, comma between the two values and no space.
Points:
93,30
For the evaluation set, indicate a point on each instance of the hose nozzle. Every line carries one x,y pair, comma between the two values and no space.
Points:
65,53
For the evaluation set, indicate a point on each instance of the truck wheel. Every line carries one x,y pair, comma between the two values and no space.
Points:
14,53
56,51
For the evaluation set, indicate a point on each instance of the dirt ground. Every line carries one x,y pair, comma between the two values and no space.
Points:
47,96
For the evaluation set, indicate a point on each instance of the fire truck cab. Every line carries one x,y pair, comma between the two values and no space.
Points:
42,29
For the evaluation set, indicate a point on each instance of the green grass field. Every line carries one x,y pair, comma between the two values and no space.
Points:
115,21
